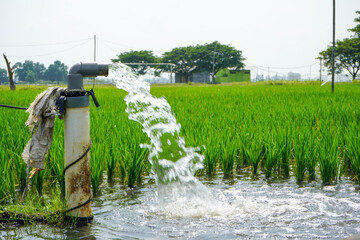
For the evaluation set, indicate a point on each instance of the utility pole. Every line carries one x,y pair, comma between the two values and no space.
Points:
257,74
171,76
94,58
94,48
310,73
213,69
333,53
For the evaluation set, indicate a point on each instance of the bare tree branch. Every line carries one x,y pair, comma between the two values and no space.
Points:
10,73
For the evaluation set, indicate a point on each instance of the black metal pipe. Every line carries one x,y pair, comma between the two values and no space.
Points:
90,69
80,70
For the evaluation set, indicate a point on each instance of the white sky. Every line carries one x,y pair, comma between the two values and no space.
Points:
270,33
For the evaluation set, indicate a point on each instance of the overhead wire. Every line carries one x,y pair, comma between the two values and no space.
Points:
44,44
118,44
297,67
52,53
108,46
124,45
270,69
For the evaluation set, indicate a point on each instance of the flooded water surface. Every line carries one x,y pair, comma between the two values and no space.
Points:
238,209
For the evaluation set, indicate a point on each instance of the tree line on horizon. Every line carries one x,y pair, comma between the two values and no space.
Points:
31,72
187,60
209,57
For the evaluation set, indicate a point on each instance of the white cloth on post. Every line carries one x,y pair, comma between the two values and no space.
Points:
43,110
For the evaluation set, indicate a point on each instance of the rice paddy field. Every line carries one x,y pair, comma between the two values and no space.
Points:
272,131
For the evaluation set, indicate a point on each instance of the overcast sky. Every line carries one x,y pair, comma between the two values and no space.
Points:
285,35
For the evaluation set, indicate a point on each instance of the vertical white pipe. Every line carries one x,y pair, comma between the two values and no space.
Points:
77,177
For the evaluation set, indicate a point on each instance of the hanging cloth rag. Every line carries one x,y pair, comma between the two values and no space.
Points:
42,113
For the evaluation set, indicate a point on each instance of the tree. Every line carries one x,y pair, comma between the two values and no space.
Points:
215,56
10,72
347,56
22,70
56,72
356,29
39,70
184,59
3,76
30,77
136,57
326,55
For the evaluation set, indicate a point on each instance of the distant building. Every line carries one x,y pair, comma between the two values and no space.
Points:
181,78
199,77
233,75
223,76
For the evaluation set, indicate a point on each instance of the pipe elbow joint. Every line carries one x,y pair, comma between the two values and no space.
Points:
80,70
90,69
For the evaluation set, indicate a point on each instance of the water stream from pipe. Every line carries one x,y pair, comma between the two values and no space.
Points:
173,163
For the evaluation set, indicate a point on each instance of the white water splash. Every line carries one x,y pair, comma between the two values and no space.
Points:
171,160
179,193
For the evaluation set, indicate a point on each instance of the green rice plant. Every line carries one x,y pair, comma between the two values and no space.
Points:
212,154
136,166
20,170
312,158
130,156
352,151
285,151
3,177
97,162
111,163
106,136
56,168
328,156
48,175
55,160
271,156
300,154
113,157
13,135
241,159
211,158
13,149
38,182
255,153
229,152
7,188
132,164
